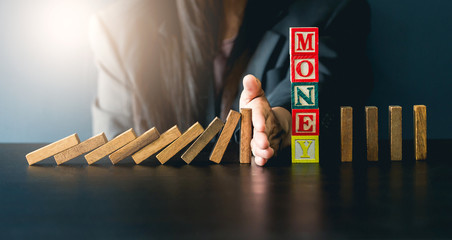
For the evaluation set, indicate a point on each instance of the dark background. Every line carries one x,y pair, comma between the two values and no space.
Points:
48,78
410,52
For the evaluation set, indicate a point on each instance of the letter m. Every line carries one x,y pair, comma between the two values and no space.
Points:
303,43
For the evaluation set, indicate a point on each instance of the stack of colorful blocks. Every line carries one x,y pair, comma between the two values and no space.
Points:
304,77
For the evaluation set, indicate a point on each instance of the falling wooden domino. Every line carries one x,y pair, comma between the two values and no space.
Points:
187,137
214,127
135,145
372,133
346,134
246,128
166,138
225,136
420,131
52,149
79,149
111,146
395,132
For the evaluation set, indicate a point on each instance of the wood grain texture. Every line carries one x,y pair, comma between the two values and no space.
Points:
395,132
79,149
187,137
225,136
135,145
52,149
246,128
420,131
166,138
372,133
214,127
346,134
111,146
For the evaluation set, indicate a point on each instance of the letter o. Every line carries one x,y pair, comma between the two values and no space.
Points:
310,68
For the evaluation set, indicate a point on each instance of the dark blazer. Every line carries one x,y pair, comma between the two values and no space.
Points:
123,56
344,71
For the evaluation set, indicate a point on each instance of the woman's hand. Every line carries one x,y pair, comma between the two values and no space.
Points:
272,126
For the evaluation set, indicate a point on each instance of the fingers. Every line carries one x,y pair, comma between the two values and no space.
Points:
253,97
260,140
261,110
261,152
260,161
261,149
251,89
260,146
259,116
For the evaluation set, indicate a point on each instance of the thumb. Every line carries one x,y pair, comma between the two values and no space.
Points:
251,89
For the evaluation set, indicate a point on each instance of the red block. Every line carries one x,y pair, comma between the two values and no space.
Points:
305,122
304,68
304,41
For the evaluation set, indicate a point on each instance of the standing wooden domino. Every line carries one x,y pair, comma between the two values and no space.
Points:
372,133
420,131
52,149
246,128
187,137
395,132
135,145
346,134
225,136
166,138
214,127
110,146
79,149
304,65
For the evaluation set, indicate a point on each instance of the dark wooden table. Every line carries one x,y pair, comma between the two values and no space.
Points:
229,201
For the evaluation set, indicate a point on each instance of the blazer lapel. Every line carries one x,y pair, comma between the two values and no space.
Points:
261,57
259,61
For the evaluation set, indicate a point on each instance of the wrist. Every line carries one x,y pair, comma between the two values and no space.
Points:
284,118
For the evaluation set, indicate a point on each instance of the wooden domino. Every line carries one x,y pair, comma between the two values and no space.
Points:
110,146
166,138
372,133
305,149
225,136
214,127
395,132
135,145
52,149
187,137
82,148
420,131
346,134
246,128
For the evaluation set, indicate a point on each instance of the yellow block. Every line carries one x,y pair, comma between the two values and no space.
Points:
305,149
